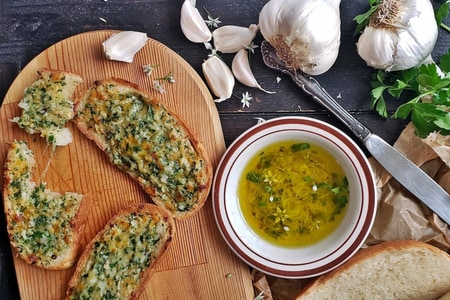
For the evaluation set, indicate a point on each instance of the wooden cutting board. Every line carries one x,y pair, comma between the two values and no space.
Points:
199,265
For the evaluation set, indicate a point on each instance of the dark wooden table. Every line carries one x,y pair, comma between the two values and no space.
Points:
29,27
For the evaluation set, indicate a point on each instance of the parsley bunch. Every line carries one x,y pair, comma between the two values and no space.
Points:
429,89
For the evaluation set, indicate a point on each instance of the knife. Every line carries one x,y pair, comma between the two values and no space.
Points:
401,168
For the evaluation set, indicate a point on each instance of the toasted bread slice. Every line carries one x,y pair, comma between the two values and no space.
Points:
44,227
147,140
446,296
47,106
391,270
119,260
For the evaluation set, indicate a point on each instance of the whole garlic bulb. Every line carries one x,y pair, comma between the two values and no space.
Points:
305,34
400,35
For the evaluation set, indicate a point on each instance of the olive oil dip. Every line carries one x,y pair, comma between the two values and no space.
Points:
293,193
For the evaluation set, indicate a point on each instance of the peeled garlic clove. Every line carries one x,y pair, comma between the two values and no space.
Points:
242,71
124,45
400,35
231,39
192,23
219,77
305,34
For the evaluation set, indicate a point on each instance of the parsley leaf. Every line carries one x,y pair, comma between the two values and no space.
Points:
444,62
428,87
442,13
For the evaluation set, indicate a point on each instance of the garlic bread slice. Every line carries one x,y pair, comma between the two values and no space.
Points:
147,140
47,106
119,260
44,227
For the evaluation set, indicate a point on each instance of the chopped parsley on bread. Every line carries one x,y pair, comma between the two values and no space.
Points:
147,140
47,106
119,260
44,227
408,270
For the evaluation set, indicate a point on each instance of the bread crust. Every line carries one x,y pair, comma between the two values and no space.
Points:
17,221
156,213
181,132
44,72
372,253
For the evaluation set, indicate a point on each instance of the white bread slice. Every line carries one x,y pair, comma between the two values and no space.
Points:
445,297
44,227
390,270
147,140
47,106
119,260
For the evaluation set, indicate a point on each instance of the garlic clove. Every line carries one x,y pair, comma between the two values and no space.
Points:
240,67
231,39
219,77
124,45
305,34
192,24
382,58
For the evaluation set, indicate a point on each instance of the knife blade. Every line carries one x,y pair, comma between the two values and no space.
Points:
400,167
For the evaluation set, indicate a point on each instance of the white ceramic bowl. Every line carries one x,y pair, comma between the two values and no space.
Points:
299,262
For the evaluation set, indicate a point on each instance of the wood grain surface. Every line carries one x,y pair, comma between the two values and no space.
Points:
198,264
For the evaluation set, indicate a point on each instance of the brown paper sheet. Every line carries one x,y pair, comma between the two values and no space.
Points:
399,216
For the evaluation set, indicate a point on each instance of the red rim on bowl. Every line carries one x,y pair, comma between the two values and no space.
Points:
301,262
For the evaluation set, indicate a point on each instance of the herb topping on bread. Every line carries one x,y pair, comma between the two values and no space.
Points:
147,140
47,106
119,260
44,227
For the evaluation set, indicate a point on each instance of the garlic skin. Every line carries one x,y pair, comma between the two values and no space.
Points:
401,34
231,38
240,67
219,77
305,34
192,24
122,46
